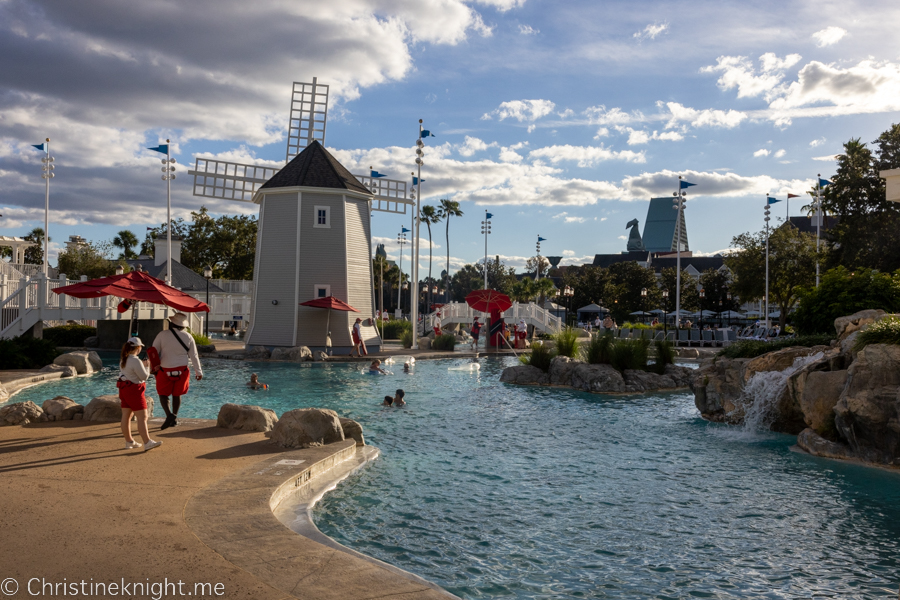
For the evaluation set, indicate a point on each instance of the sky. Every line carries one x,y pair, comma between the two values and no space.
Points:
561,118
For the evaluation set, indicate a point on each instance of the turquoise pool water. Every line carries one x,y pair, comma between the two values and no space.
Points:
495,491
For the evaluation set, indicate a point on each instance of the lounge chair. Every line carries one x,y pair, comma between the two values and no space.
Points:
683,339
708,337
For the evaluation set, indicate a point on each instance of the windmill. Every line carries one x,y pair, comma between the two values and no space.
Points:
226,180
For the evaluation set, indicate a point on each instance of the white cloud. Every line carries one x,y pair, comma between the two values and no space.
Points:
780,153
829,158
651,31
568,253
636,137
502,5
702,118
521,110
473,145
566,217
731,185
528,30
828,36
531,128
585,156
816,143
739,72
599,115
622,237
761,152
566,113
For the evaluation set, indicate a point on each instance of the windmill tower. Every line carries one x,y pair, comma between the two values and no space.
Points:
314,237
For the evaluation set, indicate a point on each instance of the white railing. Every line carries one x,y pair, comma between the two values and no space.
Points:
234,286
460,312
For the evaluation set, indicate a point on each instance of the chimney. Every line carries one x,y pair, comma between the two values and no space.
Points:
160,250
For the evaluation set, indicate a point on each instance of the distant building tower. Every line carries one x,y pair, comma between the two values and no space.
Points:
314,241
659,228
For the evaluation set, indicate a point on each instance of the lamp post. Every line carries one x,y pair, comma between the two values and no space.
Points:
766,219
680,199
702,298
486,230
720,313
46,175
423,297
728,297
665,296
401,239
415,259
168,175
643,302
568,292
207,274
538,266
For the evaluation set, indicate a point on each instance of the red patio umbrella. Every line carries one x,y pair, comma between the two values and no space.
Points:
331,303
137,286
488,301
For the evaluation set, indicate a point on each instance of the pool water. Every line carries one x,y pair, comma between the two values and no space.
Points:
496,491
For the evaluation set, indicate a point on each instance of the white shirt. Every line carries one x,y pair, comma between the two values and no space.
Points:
172,355
134,370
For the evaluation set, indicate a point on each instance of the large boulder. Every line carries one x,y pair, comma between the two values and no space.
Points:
296,354
815,444
425,343
844,326
561,370
815,392
601,379
246,417
319,356
109,408
352,429
66,370
779,360
641,381
257,353
717,384
305,427
524,375
95,360
80,360
91,342
682,376
61,408
867,414
22,413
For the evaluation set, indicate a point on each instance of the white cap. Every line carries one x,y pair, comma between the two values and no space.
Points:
135,341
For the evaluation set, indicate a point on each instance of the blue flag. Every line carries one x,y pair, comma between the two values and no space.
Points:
38,146
540,239
377,174
823,182
162,148
685,184
404,230
771,200
416,180
425,133
488,216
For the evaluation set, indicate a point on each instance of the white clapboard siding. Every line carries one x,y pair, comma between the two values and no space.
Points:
323,261
359,263
273,323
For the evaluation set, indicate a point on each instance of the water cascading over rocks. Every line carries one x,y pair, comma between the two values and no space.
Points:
757,406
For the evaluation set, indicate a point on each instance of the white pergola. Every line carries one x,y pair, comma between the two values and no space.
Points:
18,246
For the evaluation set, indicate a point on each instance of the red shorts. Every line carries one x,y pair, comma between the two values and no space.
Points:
131,395
356,339
173,382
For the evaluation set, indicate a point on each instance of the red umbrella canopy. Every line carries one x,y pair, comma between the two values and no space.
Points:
488,300
135,285
329,302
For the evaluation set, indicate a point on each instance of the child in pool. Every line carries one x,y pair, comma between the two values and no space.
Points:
387,401
255,383
375,368
406,368
398,399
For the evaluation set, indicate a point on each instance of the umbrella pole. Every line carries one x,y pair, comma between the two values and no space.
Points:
327,325
133,319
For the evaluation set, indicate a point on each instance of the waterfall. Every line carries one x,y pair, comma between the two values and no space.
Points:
763,391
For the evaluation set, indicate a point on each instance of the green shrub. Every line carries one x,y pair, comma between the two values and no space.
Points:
393,329
885,331
629,354
598,350
541,356
200,339
566,342
754,348
406,338
69,335
842,293
26,353
665,355
444,342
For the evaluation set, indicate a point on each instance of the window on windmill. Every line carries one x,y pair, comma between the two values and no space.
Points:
322,217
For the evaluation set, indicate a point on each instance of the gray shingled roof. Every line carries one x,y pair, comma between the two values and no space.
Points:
315,168
183,278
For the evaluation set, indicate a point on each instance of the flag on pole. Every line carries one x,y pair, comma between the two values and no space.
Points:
39,147
377,174
771,200
404,230
685,184
823,182
488,215
417,181
162,148
792,196
425,133
540,239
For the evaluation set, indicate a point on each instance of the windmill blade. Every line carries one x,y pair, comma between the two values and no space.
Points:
389,194
309,111
228,180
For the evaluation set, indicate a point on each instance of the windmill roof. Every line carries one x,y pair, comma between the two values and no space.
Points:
315,168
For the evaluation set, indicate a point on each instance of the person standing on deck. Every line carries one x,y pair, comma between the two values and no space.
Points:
175,347
359,346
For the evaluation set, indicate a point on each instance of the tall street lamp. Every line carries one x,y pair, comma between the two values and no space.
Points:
568,292
680,199
401,239
168,175
538,267
414,271
665,297
486,230
643,302
770,201
728,297
46,175
207,274
702,298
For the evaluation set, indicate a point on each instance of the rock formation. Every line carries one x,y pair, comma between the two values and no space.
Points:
246,417
21,413
305,427
61,408
84,362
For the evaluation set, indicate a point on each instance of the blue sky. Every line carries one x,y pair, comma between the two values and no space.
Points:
560,118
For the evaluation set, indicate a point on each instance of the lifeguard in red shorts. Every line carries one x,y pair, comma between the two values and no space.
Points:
176,347
132,383
359,345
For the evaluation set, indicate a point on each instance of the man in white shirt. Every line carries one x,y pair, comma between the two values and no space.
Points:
176,347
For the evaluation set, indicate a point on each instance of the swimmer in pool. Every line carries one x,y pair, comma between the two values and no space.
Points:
387,401
398,399
255,383
375,368
406,368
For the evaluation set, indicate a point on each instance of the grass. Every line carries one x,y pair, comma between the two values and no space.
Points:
393,329
200,339
886,331
541,356
406,338
665,355
597,351
629,354
754,348
566,342
444,342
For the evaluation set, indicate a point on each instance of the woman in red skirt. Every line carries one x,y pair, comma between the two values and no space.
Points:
132,383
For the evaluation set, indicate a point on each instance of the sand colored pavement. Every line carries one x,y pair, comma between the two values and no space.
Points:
76,506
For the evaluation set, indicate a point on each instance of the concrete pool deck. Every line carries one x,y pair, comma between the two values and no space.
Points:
199,509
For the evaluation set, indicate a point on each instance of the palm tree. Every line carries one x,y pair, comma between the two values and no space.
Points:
34,255
449,208
125,240
428,216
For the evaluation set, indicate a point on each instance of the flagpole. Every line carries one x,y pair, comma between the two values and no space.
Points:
767,261
678,259
168,219
414,293
47,212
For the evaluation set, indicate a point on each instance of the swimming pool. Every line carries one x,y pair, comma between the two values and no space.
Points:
495,491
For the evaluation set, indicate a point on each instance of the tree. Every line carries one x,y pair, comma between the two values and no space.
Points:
34,255
92,260
715,284
464,281
125,240
523,290
627,280
843,292
428,216
590,285
449,208
533,265
500,277
792,266
690,298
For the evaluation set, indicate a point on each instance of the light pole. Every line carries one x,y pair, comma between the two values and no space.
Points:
207,274
643,302
702,298
680,199
486,230
766,219
46,175
168,175
568,292
538,267
665,296
415,260
401,239
728,297
820,183
720,313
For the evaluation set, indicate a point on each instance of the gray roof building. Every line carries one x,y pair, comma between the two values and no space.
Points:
183,278
659,228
